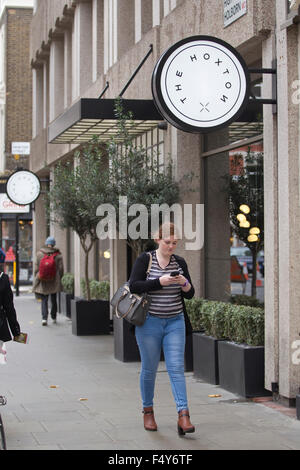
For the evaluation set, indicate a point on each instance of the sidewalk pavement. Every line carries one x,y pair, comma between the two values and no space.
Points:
68,392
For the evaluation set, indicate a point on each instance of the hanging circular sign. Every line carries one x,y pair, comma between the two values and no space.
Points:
200,84
23,187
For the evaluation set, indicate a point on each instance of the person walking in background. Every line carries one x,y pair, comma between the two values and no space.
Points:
166,325
48,272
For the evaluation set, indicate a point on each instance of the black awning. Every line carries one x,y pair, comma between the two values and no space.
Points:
89,117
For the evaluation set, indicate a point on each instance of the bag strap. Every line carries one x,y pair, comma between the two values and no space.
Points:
149,264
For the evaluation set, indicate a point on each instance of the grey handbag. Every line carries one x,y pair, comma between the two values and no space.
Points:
131,307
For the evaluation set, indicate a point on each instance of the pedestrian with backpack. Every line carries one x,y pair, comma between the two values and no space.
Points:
48,272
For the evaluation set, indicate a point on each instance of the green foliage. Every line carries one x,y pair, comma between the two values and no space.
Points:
194,311
68,283
138,176
241,299
100,174
237,323
100,290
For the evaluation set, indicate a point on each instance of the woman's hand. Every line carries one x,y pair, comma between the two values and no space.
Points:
168,280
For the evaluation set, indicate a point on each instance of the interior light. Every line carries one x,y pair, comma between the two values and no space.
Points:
244,208
254,231
241,217
245,224
252,238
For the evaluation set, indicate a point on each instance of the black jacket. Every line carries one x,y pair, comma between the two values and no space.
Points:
138,283
8,316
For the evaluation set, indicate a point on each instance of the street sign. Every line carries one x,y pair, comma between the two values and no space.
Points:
20,148
233,10
8,207
201,84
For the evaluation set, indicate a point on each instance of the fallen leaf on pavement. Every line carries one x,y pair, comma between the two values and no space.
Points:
214,396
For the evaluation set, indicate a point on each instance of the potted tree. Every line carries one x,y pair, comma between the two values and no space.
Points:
76,192
67,293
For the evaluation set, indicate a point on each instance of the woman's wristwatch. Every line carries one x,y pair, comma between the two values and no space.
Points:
185,284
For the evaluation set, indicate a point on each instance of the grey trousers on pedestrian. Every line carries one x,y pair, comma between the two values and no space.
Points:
53,311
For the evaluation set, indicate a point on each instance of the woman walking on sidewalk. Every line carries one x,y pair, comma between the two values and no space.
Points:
166,325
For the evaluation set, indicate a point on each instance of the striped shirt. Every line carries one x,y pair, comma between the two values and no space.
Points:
165,302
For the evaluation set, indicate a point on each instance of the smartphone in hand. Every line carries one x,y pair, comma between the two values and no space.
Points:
174,273
21,338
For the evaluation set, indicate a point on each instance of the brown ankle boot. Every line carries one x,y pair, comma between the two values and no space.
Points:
184,424
149,421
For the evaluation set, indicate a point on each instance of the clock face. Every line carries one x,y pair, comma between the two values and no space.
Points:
23,187
200,84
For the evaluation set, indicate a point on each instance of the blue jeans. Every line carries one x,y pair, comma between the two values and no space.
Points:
45,306
169,334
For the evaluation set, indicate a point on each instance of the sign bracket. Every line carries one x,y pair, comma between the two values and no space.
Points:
273,100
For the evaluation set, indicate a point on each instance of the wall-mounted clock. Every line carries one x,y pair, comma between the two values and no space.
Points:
200,84
23,187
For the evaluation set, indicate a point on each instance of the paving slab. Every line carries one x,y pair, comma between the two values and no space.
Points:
69,393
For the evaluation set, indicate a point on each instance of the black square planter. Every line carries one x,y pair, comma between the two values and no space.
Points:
65,304
125,345
188,354
242,369
90,317
298,405
205,356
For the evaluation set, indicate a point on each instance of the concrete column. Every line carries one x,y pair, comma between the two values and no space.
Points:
56,79
146,16
45,94
183,143
156,12
34,101
270,222
84,44
67,68
126,26
138,20
38,101
143,18
217,223
98,38
75,56
288,209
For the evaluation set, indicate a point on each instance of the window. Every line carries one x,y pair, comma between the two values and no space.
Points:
234,211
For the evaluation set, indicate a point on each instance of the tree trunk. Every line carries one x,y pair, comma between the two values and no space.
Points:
86,273
253,285
87,250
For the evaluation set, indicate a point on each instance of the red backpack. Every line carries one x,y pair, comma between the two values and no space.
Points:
47,268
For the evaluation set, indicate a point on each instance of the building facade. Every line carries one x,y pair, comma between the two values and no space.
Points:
15,128
77,47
